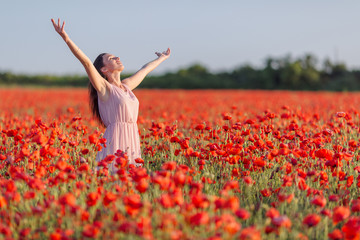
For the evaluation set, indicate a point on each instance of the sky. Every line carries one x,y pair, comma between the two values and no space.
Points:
221,35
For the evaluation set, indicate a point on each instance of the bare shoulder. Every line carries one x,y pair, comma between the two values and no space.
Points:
126,80
129,82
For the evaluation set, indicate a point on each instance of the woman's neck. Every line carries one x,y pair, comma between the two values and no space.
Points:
114,78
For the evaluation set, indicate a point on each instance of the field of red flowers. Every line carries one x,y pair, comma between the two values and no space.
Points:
217,165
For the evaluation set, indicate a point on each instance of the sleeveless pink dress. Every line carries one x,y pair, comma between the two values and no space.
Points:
119,114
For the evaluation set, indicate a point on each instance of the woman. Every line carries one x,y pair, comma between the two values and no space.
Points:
112,100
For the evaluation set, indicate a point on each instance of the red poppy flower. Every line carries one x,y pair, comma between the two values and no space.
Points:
281,221
92,199
336,235
226,116
142,185
109,198
272,212
340,213
201,218
68,199
340,114
3,202
311,220
166,200
242,214
351,228
90,231
349,181
266,192
319,201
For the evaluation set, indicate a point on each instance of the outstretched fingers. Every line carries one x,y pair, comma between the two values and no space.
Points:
62,28
164,53
53,22
58,27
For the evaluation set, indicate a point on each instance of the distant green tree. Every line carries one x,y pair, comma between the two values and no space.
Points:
283,72
310,75
291,74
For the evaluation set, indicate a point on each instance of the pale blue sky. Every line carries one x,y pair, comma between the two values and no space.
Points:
218,34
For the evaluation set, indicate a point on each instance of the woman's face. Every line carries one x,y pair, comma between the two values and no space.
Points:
112,63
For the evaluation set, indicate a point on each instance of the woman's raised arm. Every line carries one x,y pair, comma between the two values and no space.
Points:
134,80
96,80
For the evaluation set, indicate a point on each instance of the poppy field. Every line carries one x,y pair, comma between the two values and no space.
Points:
217,164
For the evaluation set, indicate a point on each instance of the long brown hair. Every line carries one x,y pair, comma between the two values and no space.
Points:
93,97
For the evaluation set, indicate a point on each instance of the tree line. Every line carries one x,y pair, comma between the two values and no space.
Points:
302,73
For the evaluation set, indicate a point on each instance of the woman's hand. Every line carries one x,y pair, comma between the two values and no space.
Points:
164,54
60,28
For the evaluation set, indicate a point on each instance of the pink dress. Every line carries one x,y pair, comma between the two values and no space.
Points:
119,114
